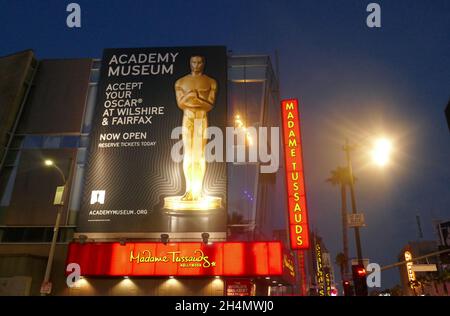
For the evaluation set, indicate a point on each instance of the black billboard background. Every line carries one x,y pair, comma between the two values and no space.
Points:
138,178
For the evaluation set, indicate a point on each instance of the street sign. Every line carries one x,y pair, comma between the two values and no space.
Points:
424,267
46,287
356,220
59,196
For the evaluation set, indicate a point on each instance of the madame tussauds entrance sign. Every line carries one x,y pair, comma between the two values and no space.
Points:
197,259
178,259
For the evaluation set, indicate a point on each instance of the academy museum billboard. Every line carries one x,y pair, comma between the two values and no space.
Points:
153,105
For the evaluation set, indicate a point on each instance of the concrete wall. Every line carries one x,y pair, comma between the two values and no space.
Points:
28,260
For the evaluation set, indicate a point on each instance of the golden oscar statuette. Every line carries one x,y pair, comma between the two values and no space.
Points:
196,95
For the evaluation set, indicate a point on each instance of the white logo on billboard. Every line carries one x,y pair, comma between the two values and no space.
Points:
98,196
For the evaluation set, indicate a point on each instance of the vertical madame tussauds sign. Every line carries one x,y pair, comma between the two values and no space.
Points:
132,184
295,181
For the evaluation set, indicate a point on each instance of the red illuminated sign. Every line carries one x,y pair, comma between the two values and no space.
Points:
295,182
178,259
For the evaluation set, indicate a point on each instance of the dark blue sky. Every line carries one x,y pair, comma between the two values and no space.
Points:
351,81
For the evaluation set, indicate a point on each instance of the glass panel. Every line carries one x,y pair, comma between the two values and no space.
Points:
90,108
48,234
12,158
51,142
84,142
95,75
241,195
245,101
33,142
70,142
17,142
77,189
9,176
81,156
34,234
96,64
13,235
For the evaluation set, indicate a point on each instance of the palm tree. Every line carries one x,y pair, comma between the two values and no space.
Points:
340,177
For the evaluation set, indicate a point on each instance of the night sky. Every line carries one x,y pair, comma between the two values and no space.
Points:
351,81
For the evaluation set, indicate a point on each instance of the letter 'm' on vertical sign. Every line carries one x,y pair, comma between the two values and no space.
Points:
295,181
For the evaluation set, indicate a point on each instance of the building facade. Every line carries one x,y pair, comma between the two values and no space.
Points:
48,110
321,274
426,276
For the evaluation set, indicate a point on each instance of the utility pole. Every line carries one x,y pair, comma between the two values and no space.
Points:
348,148
345,229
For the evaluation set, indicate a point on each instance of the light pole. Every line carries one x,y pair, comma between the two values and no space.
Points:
59,200
348,148
380,156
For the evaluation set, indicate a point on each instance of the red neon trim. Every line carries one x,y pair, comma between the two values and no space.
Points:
222,259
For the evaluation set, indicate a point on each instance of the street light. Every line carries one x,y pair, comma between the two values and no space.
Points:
381,151
59,201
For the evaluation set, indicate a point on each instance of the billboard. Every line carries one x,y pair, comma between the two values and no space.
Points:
178,259
146,170
295,181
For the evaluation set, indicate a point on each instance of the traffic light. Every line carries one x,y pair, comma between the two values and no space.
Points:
348,289
359,280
